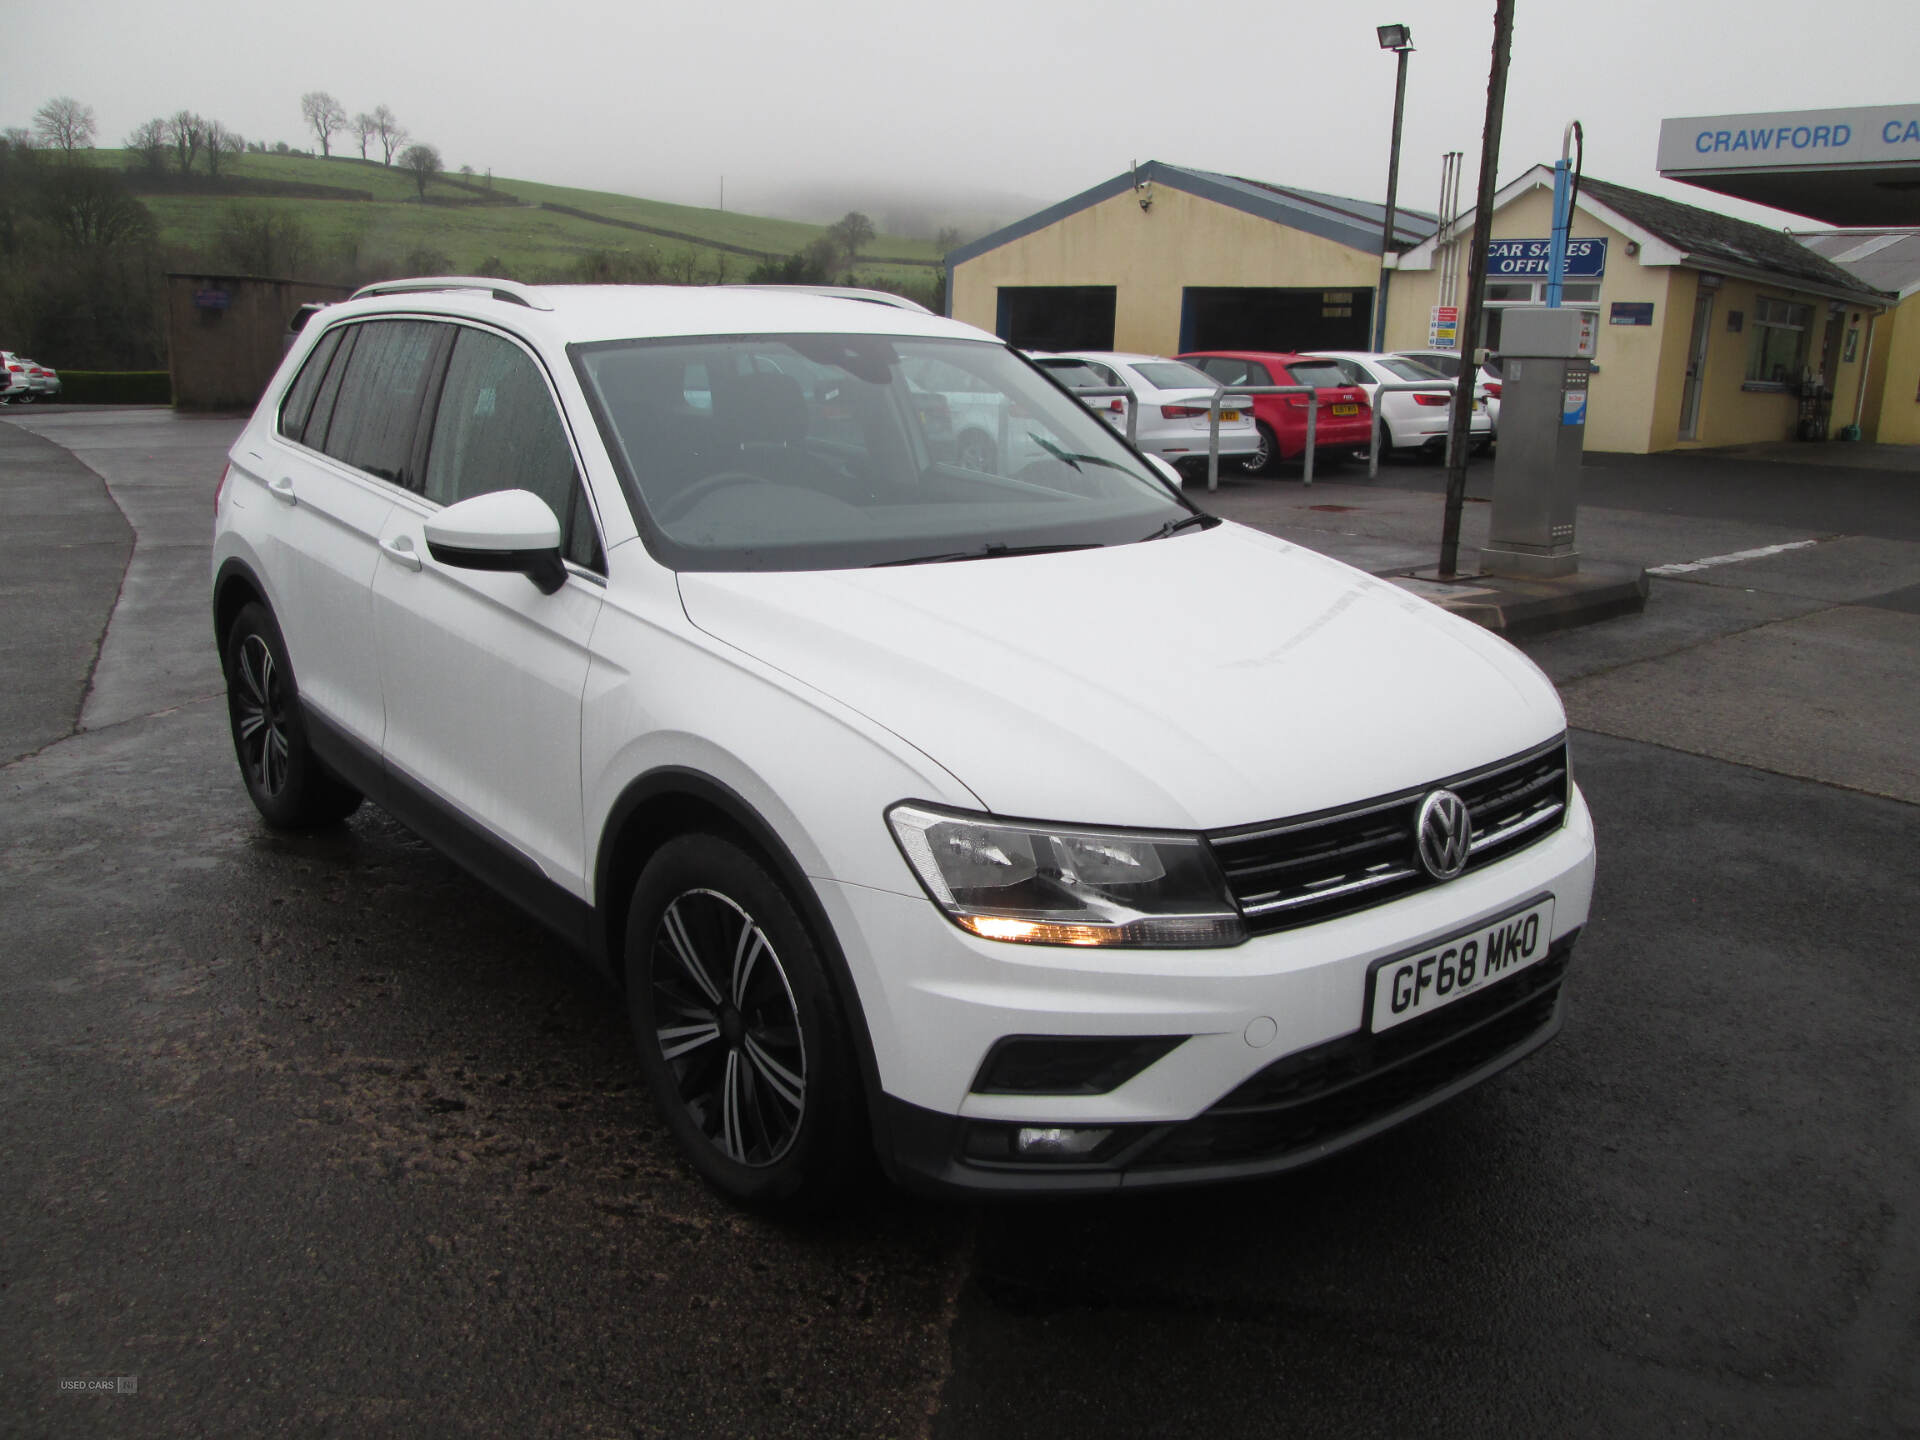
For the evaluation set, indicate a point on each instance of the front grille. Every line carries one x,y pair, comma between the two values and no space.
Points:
1318,1096
1297,872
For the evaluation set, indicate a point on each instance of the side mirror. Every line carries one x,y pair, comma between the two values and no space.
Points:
1168,472
507,530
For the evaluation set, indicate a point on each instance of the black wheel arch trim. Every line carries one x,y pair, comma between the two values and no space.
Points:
234,571
671,782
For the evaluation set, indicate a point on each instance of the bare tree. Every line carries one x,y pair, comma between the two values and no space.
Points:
150,142
946,238
220,142
18,138
365,127
186,131
65,124
391,132
323,115
423,163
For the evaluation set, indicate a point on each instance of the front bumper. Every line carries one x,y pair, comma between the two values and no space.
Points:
937,1001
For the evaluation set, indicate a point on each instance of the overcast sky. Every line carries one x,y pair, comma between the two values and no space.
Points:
1035,98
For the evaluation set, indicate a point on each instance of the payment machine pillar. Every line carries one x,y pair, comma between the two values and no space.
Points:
1545,363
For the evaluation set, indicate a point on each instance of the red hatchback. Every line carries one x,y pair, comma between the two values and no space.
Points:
1345,422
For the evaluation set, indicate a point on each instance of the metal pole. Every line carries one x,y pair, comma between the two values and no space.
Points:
1562,217
1393,190
1458,431
1313,415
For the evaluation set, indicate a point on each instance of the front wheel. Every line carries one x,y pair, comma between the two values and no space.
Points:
739,1032
289,786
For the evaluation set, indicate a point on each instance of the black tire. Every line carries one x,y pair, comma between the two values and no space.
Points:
289,786
1267,458
740,1035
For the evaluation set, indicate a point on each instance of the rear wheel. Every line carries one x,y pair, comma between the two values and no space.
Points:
739,1032
1263,460
289,786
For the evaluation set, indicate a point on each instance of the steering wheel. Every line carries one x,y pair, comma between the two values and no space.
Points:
703,487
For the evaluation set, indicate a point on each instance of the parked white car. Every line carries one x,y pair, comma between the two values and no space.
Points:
1487,379
1173,397
1412,421
1024,825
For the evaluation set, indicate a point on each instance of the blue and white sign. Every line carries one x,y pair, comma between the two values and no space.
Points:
1527,259
1866,135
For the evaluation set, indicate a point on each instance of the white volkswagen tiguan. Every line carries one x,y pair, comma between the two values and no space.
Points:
1022,825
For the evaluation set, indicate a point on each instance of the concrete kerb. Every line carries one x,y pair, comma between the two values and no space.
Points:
1512,607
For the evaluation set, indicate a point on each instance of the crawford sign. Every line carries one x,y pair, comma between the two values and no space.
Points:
1871,135
1528,259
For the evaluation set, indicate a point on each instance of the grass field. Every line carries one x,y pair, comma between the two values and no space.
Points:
526,239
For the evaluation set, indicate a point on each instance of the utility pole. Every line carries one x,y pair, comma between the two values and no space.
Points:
1462,418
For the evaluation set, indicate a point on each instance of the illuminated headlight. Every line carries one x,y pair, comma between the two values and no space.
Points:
1060,885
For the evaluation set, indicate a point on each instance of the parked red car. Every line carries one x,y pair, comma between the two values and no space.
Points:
1345,422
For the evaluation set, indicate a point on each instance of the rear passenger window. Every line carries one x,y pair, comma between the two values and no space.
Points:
374,419
497,429
298,405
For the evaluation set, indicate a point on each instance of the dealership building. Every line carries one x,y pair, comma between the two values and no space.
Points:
1712,331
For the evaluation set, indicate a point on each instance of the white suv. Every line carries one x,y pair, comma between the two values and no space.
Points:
1021,824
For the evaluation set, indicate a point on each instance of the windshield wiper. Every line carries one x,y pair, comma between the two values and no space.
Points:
992,550
1069,458
1174,527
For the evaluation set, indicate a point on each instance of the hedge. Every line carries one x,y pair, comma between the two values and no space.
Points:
115,387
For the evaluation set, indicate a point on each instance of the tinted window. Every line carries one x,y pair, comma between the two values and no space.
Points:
1172,375
1074,374
298,405
1318,373
497,429
374,418
1403,369
1235,372
1447,365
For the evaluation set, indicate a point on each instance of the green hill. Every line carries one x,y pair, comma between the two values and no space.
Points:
356,213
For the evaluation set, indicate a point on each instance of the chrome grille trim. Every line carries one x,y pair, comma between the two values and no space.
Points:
1308,868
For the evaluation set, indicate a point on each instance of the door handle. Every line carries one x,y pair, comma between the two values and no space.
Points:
282,489
400,550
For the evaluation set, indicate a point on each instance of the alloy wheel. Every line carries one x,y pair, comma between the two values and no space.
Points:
260,719
728,1027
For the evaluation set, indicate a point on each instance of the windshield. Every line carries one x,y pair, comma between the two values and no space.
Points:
1074,374
1318,373
1172,375
820,452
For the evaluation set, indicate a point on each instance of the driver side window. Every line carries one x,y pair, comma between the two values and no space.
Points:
497,429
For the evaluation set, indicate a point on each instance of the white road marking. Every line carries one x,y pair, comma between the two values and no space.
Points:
1690,566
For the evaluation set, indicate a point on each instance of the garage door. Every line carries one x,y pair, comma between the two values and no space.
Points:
1251,318
1056,317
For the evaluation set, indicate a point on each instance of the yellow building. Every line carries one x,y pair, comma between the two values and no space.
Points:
1167,258
1886,259
1713,331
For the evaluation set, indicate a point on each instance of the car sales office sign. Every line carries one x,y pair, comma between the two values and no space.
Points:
1528,259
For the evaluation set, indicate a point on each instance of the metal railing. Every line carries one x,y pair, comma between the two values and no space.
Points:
1213,425
1429,387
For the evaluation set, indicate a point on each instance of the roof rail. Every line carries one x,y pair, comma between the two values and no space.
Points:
510,291
845,292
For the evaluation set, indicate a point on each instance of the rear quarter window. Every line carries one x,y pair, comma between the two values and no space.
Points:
297,406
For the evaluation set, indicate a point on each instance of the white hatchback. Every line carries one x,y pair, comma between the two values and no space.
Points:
1006,817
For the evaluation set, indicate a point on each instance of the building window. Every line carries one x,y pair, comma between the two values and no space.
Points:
1777,351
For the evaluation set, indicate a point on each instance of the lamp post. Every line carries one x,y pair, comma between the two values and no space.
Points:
1399,39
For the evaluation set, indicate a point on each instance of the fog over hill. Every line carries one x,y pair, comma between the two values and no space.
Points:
917,211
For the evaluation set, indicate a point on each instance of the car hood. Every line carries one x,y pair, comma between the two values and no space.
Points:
1213,678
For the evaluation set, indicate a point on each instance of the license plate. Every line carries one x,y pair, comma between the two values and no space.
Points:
1346,409
1229,415
1410,986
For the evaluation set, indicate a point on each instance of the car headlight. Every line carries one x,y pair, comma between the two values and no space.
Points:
1063,885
